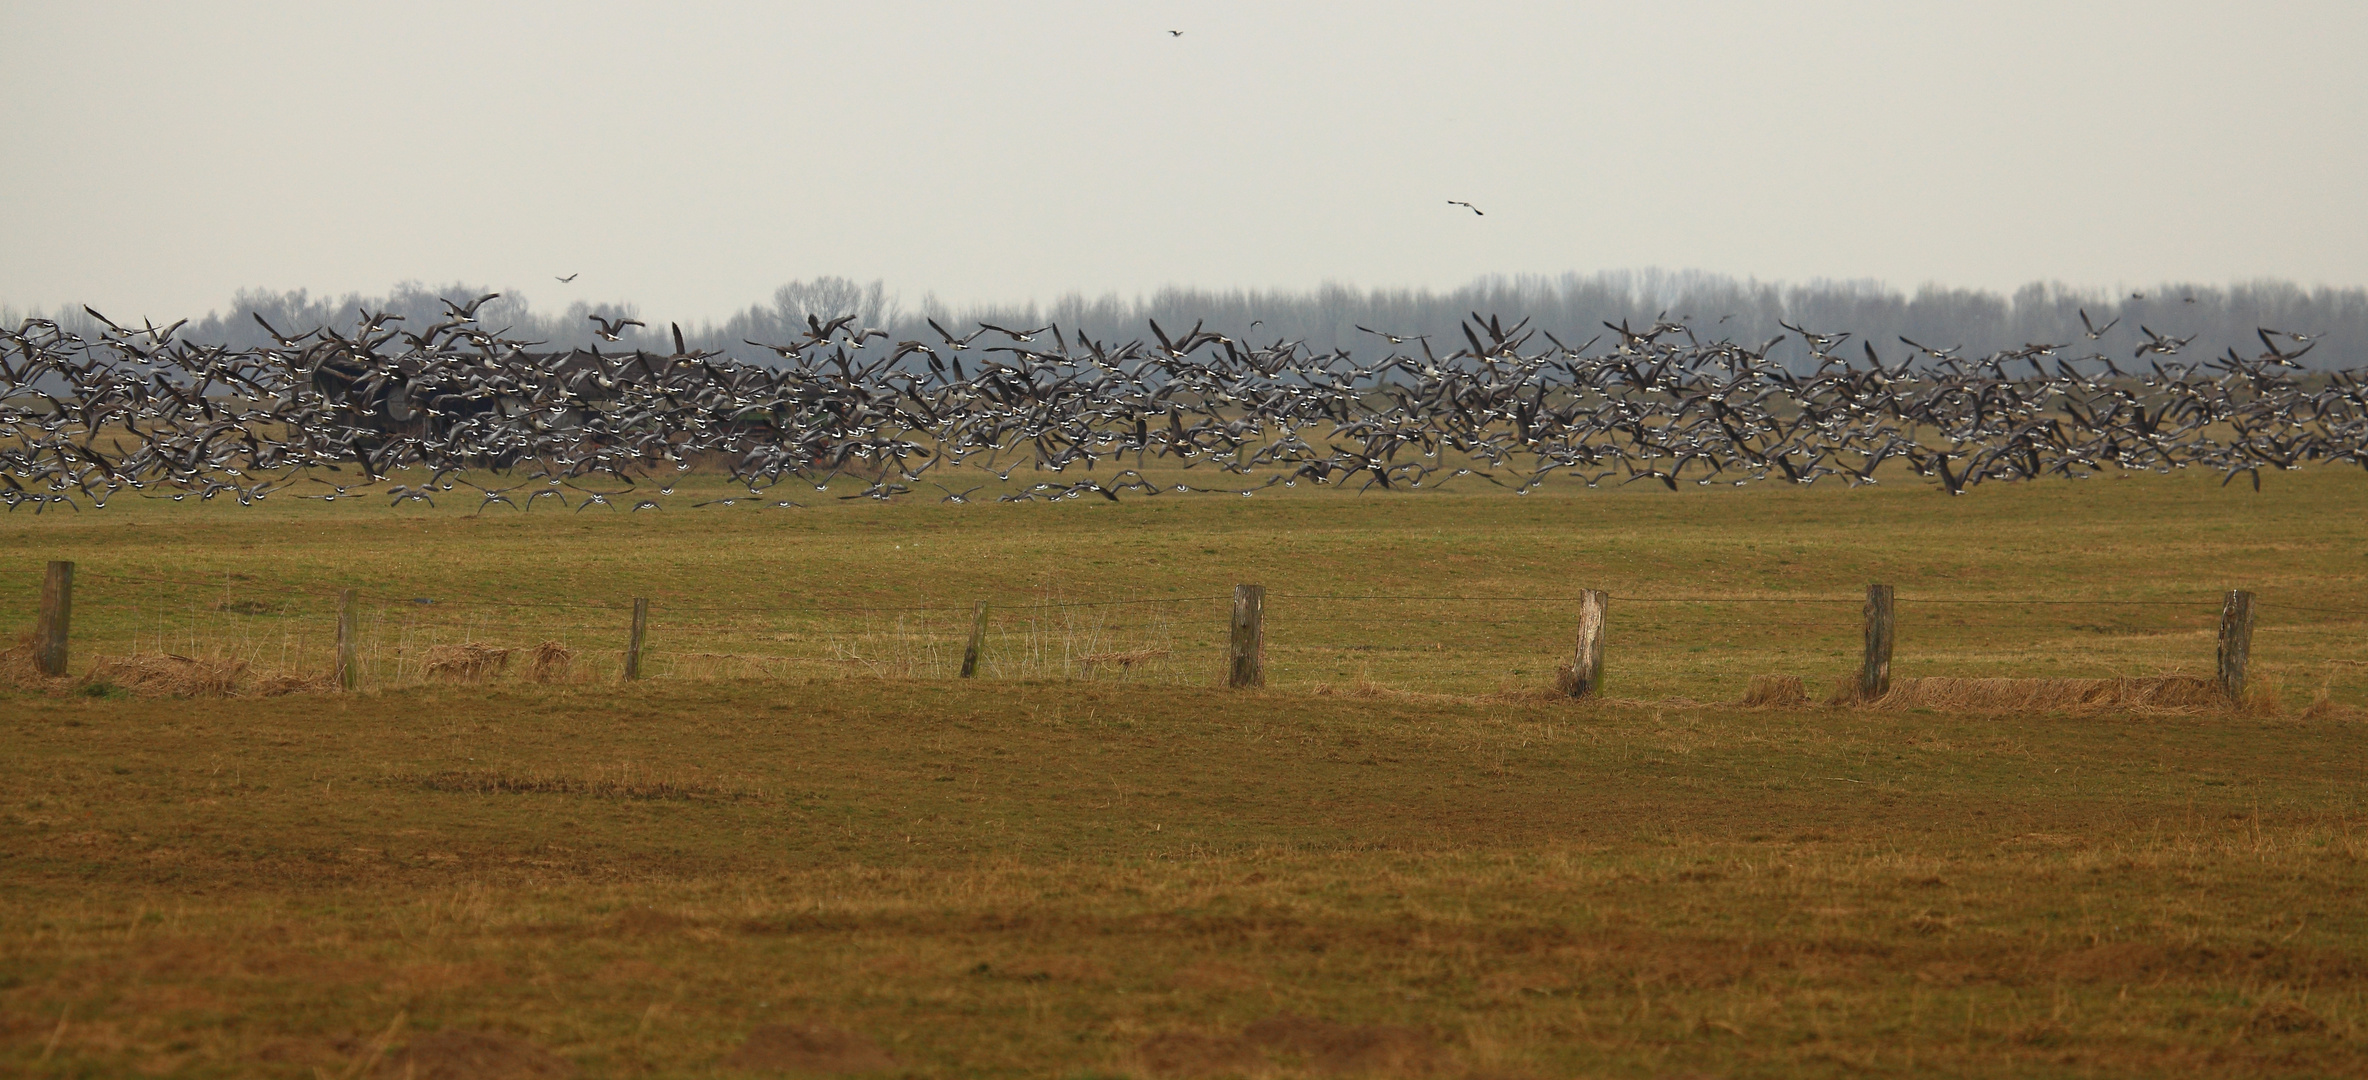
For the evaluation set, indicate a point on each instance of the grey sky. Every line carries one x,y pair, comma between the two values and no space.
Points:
691,156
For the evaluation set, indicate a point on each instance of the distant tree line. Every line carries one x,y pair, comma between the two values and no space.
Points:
1573,307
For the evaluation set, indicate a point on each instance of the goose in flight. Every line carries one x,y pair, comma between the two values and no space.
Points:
1022,336
466,313
1393,339
610,330
2163,344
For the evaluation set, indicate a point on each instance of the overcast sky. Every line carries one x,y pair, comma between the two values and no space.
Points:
692,156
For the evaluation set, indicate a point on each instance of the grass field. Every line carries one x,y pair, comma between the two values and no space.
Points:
861,587
803,852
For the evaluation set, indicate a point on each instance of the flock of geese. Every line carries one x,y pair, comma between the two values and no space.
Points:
454,410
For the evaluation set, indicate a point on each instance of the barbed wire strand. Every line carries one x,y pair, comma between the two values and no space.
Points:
1011,604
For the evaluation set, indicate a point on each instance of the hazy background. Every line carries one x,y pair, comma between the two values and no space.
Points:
686,159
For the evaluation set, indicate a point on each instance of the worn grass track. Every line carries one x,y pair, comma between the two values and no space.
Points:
1425,875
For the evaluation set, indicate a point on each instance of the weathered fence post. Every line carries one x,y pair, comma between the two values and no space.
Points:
57,610
1247,666
1874,677
2236,644
641,625
1586,664
978,637
349,673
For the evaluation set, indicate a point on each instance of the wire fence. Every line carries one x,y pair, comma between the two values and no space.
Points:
1697,647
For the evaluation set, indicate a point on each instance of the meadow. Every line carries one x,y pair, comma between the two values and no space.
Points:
803,848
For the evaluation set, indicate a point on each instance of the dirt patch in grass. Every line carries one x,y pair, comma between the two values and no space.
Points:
281,684
641,921
811,1049
623,786
2286,1018
473,1055
1364,1050
1295,1042
1190,1054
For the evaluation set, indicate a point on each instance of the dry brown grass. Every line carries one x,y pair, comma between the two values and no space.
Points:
468,661
1776,691
2053,695
624,784
809,1049
887,589
1368,690
17,666
466,1054
672,879
161,675
283,683
167,675
549,662
1030,874
2323,709
1290,1044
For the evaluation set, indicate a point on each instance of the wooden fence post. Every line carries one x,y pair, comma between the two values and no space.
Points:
641,625
1247,666
349,673
2236,644
978,637
1586,664
57,611
1874,676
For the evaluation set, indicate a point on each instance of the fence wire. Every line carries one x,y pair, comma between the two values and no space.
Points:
1660,646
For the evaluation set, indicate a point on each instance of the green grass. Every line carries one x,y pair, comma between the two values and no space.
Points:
1384,863
858,586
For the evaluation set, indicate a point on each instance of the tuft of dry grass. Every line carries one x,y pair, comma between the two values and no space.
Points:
1566,680
467,661
549,662
1776,692
18,668
167,675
